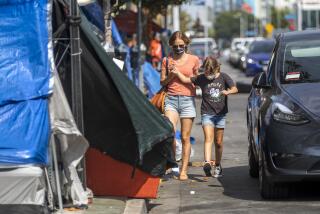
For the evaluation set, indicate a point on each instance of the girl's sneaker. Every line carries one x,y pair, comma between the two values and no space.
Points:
207,169
217,171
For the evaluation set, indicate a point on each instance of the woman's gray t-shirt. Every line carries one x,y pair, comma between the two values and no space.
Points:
213,102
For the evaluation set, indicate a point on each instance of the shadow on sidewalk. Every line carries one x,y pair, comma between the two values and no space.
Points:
237,183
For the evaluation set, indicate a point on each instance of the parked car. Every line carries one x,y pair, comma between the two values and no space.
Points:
234,56
198,48
245,50
257,59
283,115
238,48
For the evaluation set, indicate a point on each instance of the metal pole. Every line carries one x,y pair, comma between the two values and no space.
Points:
299,8
241,25
56,171
176,18
141,85
76,78
206,49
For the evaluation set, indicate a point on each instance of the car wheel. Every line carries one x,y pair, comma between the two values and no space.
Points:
269,189
253,164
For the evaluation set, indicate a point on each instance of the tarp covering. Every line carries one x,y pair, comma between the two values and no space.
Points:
118,119
72,144
24,62
24,132
94,14
116,34
24,185
151,79
25,80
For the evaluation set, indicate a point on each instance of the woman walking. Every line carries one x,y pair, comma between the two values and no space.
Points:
180,103
216,87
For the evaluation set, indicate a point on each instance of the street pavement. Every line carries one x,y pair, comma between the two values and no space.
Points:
236,191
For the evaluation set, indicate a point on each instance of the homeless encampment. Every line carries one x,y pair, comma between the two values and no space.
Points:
34,110
118,119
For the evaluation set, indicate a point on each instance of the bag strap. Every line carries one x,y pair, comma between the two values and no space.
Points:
167,66
167,73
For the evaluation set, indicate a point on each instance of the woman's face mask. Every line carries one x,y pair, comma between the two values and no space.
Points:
178,49
209,75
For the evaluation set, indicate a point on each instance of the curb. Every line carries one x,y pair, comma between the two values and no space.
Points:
135,206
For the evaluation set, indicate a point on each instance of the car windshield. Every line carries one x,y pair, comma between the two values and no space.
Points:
261,47
301,62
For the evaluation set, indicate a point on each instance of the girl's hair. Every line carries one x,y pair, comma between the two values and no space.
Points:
179,35
211,64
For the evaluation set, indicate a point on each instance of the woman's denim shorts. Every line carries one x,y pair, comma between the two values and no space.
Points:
217,121
184,105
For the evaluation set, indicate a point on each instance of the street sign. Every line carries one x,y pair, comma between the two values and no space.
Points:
269,28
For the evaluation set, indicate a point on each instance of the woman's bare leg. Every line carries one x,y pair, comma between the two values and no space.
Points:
173,116
186,125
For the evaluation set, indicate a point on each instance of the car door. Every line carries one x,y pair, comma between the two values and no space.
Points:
254,103
260,98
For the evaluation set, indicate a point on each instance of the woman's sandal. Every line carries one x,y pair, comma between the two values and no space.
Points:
183,177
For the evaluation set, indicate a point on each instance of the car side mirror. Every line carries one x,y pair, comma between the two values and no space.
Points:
260,81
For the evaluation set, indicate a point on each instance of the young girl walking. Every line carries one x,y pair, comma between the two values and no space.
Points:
215,86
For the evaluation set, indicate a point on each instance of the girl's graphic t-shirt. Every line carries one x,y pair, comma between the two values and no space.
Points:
213,102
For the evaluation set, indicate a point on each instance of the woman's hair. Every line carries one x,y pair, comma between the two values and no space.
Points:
179,35
211,64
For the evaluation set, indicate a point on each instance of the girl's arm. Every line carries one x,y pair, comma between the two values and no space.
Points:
182,77
232,90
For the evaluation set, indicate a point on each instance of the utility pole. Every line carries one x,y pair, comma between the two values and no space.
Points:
76,77
107,25
139,30
299,8
176,18
268,16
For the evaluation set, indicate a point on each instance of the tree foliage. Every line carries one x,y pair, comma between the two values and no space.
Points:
185,21
158,6
227,25
278,17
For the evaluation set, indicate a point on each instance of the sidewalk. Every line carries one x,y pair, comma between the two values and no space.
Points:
113,205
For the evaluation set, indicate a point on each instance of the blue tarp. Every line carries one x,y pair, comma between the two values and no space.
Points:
24,132
25,73
116,37
24,64
94,14
151,79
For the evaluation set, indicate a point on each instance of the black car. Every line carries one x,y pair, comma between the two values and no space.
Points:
283,115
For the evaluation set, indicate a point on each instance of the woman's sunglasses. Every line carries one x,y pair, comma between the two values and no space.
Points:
178,46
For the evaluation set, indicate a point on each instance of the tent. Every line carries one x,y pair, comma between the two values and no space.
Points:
40,143
35,116
119,120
